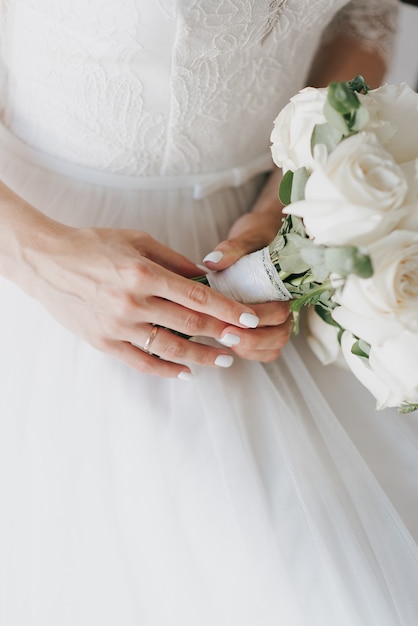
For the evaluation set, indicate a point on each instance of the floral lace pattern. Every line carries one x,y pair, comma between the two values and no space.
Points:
166,87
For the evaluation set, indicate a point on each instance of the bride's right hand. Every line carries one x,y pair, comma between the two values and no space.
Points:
110,286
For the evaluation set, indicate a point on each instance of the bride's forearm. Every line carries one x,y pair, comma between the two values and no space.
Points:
259,227
24,233
342,59
268,199
267,205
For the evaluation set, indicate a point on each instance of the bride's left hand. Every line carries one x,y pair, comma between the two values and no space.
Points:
251,232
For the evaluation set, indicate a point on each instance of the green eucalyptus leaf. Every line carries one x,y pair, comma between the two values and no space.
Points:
320,272
311,296
362,265
276,245
357,350
300,176
346,260
285,188
358,84
325,313
343,99
290,258
326,134
364,346
313,254
297,226
301,281
336,119
405,407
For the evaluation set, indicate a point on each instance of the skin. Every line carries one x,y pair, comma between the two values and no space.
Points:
108,286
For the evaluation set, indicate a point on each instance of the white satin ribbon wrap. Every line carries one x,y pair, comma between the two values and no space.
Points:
252,279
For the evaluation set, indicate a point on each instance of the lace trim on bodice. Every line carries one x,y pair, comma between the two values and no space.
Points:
168,87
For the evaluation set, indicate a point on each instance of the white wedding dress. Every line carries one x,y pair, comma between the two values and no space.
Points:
253,496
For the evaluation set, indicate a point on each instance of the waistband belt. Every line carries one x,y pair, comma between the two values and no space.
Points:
202,184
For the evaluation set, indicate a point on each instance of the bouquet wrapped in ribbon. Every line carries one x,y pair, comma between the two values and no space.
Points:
348,245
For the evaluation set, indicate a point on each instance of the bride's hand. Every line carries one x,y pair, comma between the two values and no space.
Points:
251,232
111,286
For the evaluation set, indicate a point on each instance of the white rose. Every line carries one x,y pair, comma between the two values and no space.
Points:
363,370
385,304
355,197
291,135
410,221
395,363
393,111
410,171
322,339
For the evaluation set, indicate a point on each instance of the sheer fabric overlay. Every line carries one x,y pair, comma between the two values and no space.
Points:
252,503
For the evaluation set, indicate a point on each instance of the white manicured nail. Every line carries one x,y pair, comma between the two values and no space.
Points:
229,339
224,360
249,320
213,257
185,376
203,268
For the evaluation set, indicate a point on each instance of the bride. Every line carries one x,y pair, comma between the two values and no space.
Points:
147,479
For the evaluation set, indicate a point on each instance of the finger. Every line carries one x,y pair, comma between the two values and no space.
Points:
198,297
251,232
191,323
173,348
225,254
264,356
145,363
272,313
247,343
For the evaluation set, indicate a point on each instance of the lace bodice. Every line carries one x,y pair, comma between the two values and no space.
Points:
164,87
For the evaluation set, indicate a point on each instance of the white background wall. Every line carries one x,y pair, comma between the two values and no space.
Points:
404,67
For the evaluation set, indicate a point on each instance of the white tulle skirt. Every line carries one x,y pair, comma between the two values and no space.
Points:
241,498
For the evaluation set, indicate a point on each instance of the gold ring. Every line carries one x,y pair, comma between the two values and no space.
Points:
151,337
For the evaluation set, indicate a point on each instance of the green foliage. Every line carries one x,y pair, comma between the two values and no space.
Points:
300,177
343,109
343,99
361,348
285,188
358,84
325,313
302,265
405,407
346,260
327,135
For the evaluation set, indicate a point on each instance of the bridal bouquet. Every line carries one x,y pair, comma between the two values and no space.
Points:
348,245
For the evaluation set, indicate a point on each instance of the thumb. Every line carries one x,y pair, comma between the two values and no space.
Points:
252,231
228,252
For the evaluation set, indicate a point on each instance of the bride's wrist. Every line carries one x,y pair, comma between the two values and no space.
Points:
27,236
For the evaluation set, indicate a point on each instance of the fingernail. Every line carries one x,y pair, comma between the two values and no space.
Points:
229,339
249,320
185,376
213,257
224,360
203,268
